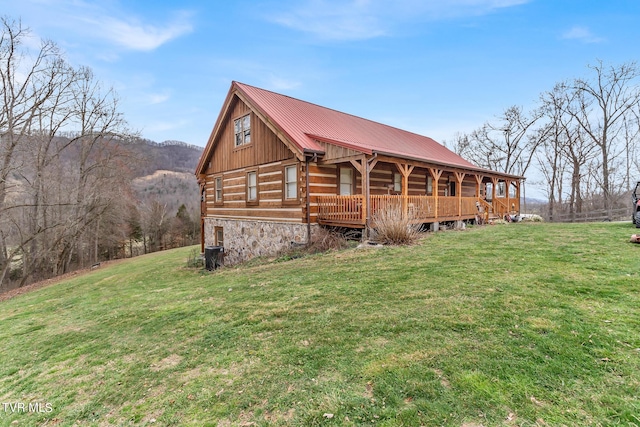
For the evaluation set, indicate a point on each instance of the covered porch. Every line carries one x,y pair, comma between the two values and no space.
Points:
350,211
426,193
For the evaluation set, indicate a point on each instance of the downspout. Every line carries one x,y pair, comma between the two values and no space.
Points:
203,208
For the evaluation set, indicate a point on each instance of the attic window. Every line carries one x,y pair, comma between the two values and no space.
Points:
242,128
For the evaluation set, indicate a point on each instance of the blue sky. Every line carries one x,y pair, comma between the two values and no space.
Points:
434,67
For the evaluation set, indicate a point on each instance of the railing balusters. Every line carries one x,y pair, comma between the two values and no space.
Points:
349,209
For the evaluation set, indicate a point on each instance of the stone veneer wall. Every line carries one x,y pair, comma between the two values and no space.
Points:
246,239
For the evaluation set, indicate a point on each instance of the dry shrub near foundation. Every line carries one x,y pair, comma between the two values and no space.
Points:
394,228
324,239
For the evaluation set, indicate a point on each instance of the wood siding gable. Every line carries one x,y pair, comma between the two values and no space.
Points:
266,157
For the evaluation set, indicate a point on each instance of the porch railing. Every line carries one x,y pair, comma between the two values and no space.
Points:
350,210
341,209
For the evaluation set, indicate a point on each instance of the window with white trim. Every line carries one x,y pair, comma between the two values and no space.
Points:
218,189
397,182
429,185
346,181
242,129
252,186
291,182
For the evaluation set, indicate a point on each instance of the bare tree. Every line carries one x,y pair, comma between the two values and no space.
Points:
29,84
600,107
508,145
63,164
155,223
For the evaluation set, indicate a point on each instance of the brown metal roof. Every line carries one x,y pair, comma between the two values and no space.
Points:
304,124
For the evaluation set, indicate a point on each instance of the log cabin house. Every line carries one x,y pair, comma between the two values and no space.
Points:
276,167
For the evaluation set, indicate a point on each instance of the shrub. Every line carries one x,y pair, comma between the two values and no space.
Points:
393,228
324,239
194,259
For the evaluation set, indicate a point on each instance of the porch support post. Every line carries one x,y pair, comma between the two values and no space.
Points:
478,185
494,202
459,178
435,174
369,164
405,170
518,185
507,185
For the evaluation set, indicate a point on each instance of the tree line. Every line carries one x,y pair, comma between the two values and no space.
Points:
66,165
581,138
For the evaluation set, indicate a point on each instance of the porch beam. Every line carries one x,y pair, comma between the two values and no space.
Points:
372,163
340,160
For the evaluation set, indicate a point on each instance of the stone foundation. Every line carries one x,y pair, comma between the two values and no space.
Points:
246,239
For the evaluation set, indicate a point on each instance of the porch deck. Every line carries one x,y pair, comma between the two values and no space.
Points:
350,211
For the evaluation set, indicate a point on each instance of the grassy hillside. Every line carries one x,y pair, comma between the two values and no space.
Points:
515,325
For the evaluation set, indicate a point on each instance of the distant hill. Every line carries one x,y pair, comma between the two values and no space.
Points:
174,156
166,173
172,189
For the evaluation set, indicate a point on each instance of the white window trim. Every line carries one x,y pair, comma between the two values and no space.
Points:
254,186
218,189
242,130
350,183
397,182
288,183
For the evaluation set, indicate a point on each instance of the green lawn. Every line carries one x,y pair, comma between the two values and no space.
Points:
515,325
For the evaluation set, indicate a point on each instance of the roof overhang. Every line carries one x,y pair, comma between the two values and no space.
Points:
473,169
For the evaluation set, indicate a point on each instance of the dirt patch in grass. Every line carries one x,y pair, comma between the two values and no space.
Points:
166,363
443,380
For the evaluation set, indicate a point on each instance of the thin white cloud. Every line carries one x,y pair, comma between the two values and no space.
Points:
582,34
111,22
367,19
164,126
135,35
158,98
334,20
